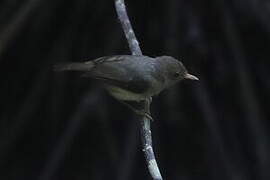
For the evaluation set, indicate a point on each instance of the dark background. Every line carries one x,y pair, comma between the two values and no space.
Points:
56,126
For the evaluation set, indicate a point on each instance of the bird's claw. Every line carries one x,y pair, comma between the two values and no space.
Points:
145,114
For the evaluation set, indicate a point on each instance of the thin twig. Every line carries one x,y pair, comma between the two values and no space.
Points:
145,122
147,145
128,30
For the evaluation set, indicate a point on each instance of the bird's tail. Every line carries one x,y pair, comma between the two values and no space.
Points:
74,66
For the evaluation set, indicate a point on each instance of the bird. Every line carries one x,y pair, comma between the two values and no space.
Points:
132,78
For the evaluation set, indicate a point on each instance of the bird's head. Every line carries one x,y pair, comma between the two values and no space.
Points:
174,70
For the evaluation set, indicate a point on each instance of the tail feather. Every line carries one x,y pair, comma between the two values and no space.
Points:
73,67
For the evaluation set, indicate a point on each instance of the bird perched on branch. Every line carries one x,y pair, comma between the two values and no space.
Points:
131,78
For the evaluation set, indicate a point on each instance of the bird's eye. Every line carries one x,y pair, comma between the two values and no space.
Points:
176,74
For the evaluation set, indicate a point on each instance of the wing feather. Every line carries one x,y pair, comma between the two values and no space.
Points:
118,71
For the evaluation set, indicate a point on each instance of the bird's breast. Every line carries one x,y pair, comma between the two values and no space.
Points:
125,95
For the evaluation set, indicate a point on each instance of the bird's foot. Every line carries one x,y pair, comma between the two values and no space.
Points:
139,107
143,113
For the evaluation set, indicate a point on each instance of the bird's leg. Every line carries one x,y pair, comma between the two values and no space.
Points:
138,108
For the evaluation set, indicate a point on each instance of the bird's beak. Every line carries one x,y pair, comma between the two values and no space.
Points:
191,77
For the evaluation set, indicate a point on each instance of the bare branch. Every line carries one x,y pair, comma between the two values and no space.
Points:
146,138
129,33
145,122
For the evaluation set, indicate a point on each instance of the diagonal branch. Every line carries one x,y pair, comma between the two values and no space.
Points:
145,122
129,33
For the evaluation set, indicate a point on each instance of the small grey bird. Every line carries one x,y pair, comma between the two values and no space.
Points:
132,78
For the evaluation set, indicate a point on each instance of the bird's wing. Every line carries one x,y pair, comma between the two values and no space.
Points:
77,66
107,59
117,71
138,86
